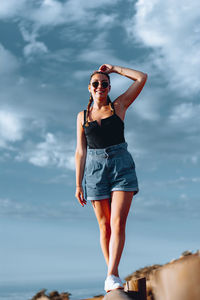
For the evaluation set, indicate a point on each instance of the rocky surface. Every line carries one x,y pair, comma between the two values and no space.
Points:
54,295
152,274
176,268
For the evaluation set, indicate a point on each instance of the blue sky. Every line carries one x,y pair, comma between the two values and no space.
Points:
48,49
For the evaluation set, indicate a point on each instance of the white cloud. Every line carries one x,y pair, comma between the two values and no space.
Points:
184,119
26,209
54,12
165,138
11,8
53,151
148,104
181,181
49,13
33,47
16,208
180,205
8,62
195,158
11,128
106,21
134,145
172,31
99,51
45,14
185,112
82,74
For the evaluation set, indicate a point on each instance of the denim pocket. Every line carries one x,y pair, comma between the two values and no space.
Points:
92,166
124,163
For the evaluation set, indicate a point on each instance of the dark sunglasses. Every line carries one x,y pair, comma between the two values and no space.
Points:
104,84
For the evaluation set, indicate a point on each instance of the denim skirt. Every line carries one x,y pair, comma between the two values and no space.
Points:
109,169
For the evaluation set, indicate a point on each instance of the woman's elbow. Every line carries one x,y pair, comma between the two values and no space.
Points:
143,77
80,152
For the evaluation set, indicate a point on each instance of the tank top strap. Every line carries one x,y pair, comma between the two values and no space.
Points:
112,104
84,116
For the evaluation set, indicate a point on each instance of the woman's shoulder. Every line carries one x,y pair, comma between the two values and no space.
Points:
80,117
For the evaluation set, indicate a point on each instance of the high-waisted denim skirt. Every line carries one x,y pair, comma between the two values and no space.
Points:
109,169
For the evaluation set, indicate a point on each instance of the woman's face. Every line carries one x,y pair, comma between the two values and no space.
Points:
99,86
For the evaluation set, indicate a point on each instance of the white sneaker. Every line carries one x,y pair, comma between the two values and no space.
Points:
113,282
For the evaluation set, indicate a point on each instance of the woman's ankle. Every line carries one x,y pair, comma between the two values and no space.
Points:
113,273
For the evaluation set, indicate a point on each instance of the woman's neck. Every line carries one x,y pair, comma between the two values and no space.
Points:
97,105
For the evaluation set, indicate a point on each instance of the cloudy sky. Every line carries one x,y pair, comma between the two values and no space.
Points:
48,49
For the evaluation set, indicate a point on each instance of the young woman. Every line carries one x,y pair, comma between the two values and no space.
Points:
102,155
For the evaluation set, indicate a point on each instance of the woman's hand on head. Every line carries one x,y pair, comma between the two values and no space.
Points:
80,196
106,68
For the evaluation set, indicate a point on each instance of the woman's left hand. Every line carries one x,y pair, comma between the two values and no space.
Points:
106,68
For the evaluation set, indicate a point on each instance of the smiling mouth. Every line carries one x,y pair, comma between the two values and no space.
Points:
100,92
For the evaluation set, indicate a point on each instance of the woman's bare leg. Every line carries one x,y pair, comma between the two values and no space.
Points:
120,205
102,212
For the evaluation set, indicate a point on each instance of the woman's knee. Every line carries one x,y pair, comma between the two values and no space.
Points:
118,225
105,229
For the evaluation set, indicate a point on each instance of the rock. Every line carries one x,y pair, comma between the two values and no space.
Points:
39,295
157,277
65,296
150,273
186,253
117,295
178,281
54,294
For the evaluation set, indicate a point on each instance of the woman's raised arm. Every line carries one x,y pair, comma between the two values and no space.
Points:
127,98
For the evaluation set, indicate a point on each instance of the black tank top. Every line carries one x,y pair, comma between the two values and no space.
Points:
109,133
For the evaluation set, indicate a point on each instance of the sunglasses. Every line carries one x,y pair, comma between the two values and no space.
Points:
104,84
